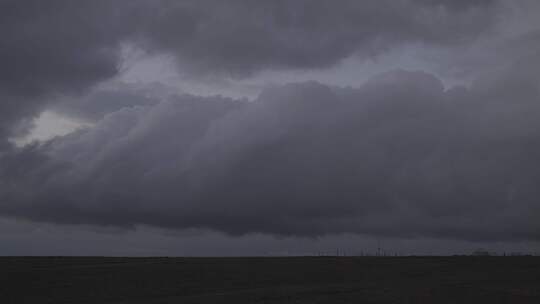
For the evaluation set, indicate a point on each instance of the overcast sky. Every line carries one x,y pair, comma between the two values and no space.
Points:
242,127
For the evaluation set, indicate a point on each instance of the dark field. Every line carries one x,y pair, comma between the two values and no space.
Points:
271,280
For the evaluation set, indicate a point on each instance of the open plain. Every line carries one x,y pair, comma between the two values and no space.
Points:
270,280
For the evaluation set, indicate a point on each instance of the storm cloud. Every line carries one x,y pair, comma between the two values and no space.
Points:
238,38
50,49
398,156
402,155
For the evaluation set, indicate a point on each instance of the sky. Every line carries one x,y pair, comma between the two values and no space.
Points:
209,127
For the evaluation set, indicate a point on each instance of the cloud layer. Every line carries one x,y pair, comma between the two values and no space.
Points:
238,38
49,49
398,156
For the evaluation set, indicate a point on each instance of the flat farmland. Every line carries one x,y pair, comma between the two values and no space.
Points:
270,280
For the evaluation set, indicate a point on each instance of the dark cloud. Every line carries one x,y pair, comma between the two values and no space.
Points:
399,156
29,238
458,4
238,38
50,48
58,47
55,45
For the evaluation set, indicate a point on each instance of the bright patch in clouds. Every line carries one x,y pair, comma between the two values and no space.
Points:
48,125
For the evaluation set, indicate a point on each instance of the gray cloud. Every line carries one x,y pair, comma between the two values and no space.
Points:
28,238
238,38
399,156
105,99
52,48
49,49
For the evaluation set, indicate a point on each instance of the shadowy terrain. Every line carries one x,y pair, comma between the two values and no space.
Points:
270,280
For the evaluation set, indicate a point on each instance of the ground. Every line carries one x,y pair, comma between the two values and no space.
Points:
270,280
